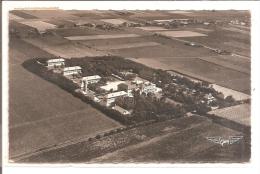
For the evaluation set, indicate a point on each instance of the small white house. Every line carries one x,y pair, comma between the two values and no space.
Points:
73,70
55,62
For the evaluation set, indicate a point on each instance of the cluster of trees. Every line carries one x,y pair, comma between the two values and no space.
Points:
148,107
106,65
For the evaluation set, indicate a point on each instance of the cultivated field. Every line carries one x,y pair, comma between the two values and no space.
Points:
238,113
42,114
219,39
115,41
49,14
203,70
235,94
129,45
179,140
114,21
232,62
181,33
39,25
152,28
22,14
94,37
63,48
14,17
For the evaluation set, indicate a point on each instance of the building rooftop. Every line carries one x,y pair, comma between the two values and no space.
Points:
91,77
121,110
72,68
112,85
55,60
116,94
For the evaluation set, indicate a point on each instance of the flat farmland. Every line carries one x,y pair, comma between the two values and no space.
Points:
182,33
39,25
117,21
203,70
67,32
235,94
150,15
238,113
115,41
42,114
49,14
170,141
181,146
23,14
221,39
103,36
232,62
60,22
61,47
14,17
165,50
94,14
151,28
129,45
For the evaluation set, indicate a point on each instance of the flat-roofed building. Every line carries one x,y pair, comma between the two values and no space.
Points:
112,85
73,70
89,80
128,88
111,97
121,110
55,62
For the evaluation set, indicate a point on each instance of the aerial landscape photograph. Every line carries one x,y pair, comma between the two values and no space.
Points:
129,86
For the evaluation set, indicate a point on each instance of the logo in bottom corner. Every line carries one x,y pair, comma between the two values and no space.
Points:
222,141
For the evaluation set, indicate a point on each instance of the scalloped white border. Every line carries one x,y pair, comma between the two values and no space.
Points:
252,167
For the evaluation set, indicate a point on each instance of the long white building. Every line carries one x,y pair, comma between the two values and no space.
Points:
55,62
72,70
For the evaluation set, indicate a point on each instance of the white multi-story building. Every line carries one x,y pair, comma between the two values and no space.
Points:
89,80
73,70
111,97
55,62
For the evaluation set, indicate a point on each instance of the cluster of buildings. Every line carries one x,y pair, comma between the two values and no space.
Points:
113,89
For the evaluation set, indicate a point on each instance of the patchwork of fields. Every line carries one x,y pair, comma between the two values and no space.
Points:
180,140
42,115
53,115
39,25
94,37
181,33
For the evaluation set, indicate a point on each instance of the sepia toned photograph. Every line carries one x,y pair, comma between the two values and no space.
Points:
129,86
